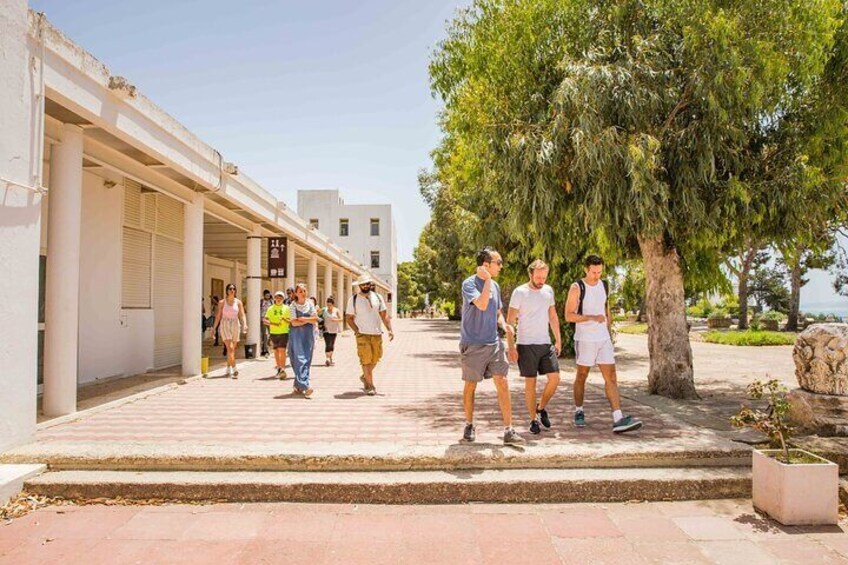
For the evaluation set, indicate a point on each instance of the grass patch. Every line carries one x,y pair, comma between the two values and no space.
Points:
635,329
750,337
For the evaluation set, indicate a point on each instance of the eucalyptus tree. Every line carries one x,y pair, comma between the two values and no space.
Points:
625,123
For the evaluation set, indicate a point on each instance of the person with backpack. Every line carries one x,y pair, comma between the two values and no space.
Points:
366,314
587,307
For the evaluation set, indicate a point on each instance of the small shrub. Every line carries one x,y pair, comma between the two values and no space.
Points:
771,421
718,314
773,315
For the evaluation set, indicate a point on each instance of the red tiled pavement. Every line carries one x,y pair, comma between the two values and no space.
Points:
324,534
419,403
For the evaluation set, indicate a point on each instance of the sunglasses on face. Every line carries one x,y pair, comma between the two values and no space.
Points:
498,262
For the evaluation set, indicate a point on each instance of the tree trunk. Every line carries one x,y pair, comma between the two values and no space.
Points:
795,295
745,264
671,372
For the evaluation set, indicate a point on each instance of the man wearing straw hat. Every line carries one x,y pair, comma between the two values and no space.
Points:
366,314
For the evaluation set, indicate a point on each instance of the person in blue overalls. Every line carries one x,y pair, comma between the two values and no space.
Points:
304,319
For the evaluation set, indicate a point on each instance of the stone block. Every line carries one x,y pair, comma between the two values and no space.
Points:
820,359
823,414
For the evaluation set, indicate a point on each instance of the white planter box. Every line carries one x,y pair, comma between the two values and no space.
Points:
797,494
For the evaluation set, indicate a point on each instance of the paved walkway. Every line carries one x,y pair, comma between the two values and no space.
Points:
727,532
419,402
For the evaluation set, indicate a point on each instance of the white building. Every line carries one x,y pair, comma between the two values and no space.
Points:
367,231
115,223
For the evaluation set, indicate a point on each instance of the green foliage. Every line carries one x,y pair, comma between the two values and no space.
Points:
718,314
750,337
773,420
632,291
773,315
621,120
411,292
701,309
730,304
768,288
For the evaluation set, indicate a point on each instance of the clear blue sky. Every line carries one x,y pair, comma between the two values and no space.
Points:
320,94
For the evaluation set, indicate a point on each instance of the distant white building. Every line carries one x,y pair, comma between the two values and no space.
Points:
367,231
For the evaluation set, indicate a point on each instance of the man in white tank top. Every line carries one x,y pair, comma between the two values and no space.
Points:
587,307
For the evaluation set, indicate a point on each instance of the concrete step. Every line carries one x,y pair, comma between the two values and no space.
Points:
628,452
404,487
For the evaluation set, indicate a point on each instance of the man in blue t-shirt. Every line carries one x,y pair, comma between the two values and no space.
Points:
482,350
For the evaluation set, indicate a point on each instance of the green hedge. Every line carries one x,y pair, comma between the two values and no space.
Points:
751,337
633,329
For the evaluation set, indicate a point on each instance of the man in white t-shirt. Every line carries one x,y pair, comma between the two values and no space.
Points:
587,307
366,314
533,306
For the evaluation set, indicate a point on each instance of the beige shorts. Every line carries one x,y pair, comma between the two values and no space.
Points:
369,348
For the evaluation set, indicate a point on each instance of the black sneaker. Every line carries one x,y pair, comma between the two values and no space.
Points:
626,424
511,437
579,419
543,417
469,434
534,427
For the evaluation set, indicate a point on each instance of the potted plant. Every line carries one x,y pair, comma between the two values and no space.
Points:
793,486
718,319
771,320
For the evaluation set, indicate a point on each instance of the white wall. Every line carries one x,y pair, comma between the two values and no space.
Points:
328,208
20,218
113,341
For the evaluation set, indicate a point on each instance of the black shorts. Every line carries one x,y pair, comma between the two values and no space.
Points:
534,360
329,342
280,341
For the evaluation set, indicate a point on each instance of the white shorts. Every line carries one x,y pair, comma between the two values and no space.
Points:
591,353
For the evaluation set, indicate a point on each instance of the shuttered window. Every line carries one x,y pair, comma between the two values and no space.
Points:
168,302
136,268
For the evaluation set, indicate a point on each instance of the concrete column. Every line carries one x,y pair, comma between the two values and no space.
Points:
61,315
20,226
328,281
192,285
312,275
348,287
291,275
254,286
340,303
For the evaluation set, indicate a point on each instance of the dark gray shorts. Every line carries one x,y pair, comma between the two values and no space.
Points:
483,361
535,360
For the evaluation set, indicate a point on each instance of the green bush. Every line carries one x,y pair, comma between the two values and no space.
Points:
718,314
700,309
773,315
730,304
750,337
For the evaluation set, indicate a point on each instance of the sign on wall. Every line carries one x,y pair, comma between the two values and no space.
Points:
277,257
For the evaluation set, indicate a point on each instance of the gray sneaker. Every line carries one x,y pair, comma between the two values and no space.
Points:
469,434
511,437
371,391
